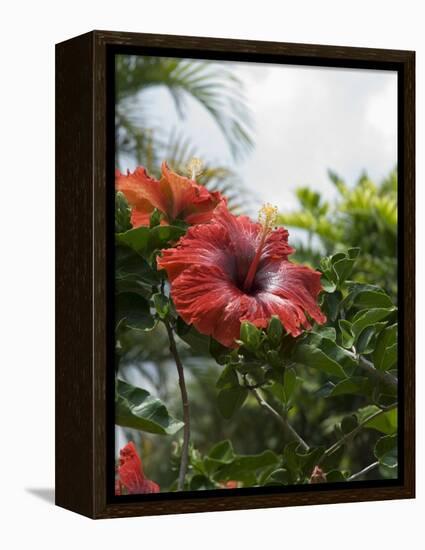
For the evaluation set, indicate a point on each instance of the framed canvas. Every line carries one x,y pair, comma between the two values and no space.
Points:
235,274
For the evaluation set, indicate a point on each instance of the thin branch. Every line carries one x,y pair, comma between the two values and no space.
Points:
379,375
333,448
283,421
186,413
363,472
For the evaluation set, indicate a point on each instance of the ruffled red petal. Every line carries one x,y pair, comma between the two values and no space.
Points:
208,267
142,192
174,195
131,474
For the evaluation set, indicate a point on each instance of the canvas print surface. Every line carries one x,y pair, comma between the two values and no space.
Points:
255,275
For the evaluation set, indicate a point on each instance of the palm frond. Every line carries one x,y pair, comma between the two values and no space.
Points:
213,86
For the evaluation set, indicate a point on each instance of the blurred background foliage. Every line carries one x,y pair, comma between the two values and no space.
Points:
363,215
215,88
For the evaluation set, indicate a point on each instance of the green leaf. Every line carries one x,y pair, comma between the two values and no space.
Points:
366,318
347,336
353,253
134,310
218,351
343,269
315,358
386,451
162,305
136,408
122,213
385,354
285,392
355,385
331,305
367,340
137,239
325,332
275,331
349,423
155,218
250,335
385,422
372,299
200,343
228,378
162,236
133,273
230,400
327,285
245,467
335,476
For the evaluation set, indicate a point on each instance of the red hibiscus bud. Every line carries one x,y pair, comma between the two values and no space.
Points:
318,475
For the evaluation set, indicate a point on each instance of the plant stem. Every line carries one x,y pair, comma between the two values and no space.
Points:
283,421
333,448
364,471
186,413
379,375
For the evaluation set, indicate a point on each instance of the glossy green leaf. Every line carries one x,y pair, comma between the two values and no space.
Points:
162,305
366,341
230,400
343,269
315,358
275,331
134,310
366,318
122,213
372,299
349,423
347,337
385,422
355,385
200,343
137,239
385,354
250,335
386,451
246,467
136,408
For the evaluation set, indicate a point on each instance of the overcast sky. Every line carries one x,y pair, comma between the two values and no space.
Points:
307,120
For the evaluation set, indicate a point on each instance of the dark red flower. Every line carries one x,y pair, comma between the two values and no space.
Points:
130,473
317,475
232,270
177,197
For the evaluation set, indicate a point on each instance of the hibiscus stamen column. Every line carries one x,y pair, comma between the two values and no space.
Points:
267,219
184,460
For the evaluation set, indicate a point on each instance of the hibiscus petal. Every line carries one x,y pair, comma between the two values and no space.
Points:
290,291
142,192
180,190
131,474
206,299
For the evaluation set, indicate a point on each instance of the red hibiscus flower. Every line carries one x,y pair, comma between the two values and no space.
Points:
177,197
232,270
130,474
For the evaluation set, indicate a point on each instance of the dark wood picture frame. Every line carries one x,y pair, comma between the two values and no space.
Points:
82,167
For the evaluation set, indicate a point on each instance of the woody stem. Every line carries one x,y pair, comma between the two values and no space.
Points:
283,421
184,460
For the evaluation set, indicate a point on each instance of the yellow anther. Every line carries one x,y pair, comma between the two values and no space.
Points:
267,216
195,167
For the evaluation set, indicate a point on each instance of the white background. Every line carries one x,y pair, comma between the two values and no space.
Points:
28,33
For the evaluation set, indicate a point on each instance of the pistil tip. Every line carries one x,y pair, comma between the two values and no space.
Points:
267,216
195,167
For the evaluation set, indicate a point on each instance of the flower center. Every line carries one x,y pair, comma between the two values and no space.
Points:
195,168
267,219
